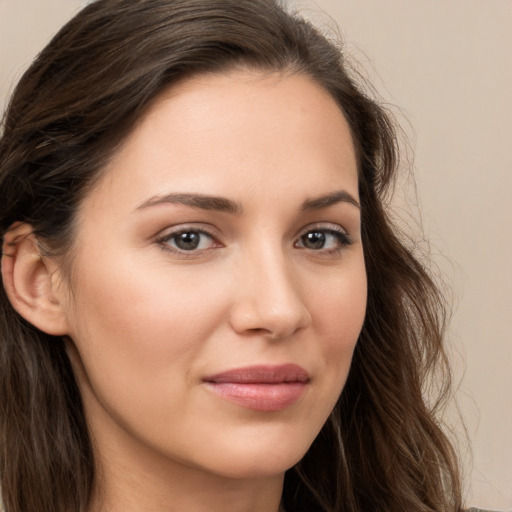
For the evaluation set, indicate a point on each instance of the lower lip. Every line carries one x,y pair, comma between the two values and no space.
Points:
260,396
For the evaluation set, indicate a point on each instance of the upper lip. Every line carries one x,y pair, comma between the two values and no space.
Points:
261,374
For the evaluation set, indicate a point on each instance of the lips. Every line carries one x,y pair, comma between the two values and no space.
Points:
261,388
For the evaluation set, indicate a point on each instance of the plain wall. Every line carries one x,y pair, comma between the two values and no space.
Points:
447,65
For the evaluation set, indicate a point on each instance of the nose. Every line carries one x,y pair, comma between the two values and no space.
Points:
269,300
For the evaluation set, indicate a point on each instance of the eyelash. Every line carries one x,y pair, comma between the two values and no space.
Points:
342,238
164,241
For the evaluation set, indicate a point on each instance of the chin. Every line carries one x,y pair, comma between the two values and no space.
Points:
259,456
255,468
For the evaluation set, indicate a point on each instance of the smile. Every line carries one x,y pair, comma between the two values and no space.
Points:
261,388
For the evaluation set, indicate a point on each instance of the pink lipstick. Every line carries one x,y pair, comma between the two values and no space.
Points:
261,388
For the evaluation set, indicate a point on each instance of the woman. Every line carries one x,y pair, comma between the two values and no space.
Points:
204,303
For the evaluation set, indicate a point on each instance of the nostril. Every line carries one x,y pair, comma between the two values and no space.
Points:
252,319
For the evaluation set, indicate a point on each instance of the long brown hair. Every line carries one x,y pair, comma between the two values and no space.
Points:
382,448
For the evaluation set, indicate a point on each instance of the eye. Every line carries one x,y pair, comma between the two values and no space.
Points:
187,240
323,239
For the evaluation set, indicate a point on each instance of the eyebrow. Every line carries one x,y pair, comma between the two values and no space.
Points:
199,201
222,204
320,202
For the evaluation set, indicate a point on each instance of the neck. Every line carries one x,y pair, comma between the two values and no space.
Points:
143,492
136,479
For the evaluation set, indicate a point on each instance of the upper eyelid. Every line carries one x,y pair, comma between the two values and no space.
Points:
181,228
333,230
325,226
215,234
211,230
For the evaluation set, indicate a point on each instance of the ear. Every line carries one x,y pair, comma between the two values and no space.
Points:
32,282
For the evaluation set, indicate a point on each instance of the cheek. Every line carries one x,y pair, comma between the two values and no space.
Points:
134,323
338,315
138,332
341,305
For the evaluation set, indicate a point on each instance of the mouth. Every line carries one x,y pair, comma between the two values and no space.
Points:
261,388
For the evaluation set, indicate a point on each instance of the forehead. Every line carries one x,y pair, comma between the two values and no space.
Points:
243,128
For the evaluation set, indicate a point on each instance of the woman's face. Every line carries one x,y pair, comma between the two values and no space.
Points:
218,285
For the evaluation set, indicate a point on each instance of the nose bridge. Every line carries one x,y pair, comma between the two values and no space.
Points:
269,298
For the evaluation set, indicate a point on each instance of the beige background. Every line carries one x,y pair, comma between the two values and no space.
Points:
447,65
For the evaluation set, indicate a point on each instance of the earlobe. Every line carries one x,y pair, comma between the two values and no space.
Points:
30,281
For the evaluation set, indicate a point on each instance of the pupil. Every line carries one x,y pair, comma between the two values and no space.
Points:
314,240
187,241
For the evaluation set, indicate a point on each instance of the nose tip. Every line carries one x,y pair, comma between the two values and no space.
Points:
271,305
